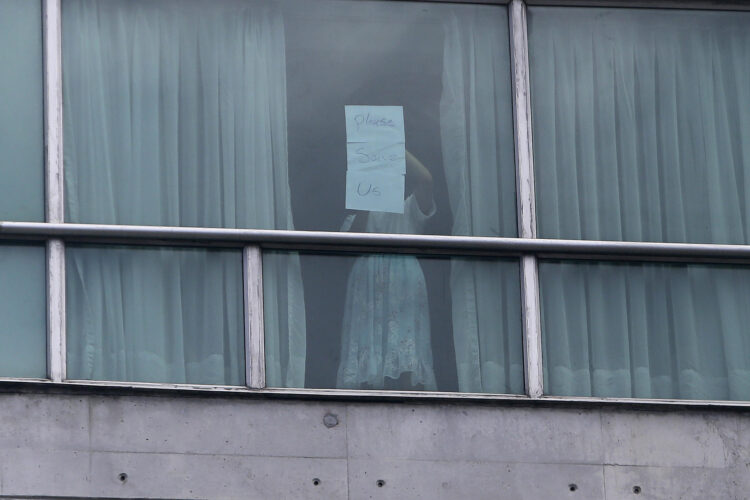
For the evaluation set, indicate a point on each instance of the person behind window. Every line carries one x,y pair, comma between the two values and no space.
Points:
386,330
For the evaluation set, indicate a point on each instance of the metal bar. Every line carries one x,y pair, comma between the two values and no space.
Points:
475,396
255,356
648,4
56,347
293,240
478,2
53,111
532,327
526,199
100,386
54,191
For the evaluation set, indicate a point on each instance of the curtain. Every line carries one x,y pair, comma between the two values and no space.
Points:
175,114
478,157
155,315
642,133
646,330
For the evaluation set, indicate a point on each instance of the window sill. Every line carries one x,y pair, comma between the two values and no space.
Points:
108,388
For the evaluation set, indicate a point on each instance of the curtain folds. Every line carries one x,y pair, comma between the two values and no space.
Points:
641,127
642,133
155,315
478,157
175,114
646,330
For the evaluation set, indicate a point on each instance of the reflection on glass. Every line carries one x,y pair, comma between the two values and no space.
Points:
23,311
233,113
155,315
21,111
646,330
641,124
389,322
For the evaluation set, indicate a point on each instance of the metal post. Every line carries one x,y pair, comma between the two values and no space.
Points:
526,199
54,189
255,358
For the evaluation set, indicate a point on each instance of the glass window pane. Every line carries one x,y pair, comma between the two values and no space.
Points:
23,313
21,111
646,330
641,124
393,322
233,114
155,315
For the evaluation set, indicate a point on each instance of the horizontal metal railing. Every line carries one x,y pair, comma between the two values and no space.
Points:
397,243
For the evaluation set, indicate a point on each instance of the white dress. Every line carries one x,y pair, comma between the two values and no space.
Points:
386,328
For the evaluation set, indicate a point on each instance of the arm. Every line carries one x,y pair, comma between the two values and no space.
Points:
422,178
360,222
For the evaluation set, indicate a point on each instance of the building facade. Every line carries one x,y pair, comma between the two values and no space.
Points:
374,249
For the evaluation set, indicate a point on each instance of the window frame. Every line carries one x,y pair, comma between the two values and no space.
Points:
527,248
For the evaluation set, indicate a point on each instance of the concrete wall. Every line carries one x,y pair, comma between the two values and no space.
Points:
176,446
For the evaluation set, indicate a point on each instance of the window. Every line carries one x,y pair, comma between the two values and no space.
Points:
639,124
21,116
645,330
22,295
337,195
155,315
189,113
642,133
393,322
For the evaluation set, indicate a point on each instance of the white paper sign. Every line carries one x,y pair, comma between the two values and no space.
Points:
375,124
375,191
376,156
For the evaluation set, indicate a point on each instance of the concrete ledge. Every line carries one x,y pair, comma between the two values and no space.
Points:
165,445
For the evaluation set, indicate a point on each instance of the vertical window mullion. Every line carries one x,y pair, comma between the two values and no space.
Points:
531,315
54,189
531,318
255,359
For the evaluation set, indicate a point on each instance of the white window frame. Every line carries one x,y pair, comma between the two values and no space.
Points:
527,248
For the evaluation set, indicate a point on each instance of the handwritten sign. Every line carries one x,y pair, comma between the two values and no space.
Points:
375,191
376,158
375,123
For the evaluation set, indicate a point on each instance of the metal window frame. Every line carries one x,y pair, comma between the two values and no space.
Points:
647,4
255,351
54,188
528,249
526,199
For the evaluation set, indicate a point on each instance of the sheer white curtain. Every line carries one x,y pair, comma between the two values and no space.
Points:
478,157
175,114
642,132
